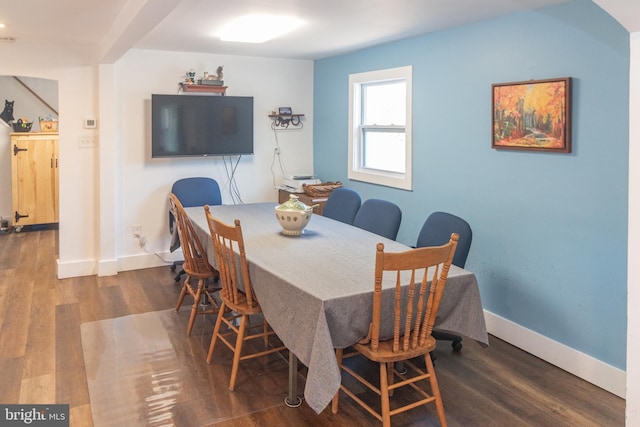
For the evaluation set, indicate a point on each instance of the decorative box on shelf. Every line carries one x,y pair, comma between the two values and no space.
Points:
48,125
211,82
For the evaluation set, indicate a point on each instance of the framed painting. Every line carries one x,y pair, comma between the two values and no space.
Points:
533,115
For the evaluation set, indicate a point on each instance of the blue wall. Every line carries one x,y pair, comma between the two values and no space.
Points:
550,229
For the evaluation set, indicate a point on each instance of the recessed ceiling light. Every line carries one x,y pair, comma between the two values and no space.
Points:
2,25
258,28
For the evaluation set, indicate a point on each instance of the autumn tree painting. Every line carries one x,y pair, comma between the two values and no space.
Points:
533,115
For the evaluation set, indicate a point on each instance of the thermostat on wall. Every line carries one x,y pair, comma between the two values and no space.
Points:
89,123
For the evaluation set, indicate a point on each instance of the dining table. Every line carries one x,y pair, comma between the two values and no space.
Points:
316,289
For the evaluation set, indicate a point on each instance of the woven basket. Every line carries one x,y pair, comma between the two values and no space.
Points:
321,190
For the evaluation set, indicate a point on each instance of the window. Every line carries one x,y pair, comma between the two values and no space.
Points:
380,127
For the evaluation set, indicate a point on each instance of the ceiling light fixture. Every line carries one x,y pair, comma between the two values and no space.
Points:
258,28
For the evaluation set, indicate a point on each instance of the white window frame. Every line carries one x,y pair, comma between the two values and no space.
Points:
356,171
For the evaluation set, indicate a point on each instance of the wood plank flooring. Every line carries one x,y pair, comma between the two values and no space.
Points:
42,360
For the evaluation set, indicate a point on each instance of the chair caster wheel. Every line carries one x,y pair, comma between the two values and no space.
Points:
456,345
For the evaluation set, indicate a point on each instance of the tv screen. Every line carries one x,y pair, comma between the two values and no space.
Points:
201,125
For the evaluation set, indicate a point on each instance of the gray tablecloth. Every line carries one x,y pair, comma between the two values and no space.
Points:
316,289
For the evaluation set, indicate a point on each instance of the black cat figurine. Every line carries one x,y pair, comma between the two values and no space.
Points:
7,113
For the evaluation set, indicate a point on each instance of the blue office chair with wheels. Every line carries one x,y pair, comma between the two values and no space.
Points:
342,205
380,217
436,231
196,191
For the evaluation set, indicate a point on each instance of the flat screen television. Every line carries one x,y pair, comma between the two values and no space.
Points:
201,125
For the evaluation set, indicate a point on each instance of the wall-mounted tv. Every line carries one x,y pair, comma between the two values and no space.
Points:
201,125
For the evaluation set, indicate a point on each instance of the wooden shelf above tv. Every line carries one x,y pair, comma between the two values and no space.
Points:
205,88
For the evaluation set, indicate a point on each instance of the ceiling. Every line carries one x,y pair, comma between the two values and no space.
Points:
332,27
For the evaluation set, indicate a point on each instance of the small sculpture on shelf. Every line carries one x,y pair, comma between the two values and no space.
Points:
212,80
190,77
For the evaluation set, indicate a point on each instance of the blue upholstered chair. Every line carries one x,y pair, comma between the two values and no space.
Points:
436,231
380,217
342,205
196,191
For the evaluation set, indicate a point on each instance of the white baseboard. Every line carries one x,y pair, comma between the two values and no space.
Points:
147,260
87,267
571,360
108,267
111,267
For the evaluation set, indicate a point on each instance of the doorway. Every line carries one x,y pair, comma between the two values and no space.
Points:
30,99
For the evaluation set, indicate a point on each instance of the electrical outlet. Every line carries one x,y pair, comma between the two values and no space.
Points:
136,231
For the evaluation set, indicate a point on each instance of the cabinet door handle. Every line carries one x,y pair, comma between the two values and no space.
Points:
18,216
16,149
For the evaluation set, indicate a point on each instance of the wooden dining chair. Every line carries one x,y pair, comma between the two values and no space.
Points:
196,266
192,191
420,276
237,296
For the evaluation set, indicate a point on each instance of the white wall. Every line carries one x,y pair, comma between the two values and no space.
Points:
122,160
142,183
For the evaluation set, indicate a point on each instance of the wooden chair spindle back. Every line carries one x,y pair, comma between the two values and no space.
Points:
232,260
425,271
195,257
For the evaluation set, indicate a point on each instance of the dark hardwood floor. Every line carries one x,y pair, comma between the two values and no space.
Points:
42,359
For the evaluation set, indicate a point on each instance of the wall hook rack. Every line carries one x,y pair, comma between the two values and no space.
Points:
286,121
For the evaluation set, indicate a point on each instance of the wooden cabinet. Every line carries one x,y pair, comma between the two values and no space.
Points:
283,196
34,178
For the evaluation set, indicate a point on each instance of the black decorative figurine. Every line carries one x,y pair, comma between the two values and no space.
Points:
7,113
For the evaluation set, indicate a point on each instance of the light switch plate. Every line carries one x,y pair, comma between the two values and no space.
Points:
86,141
